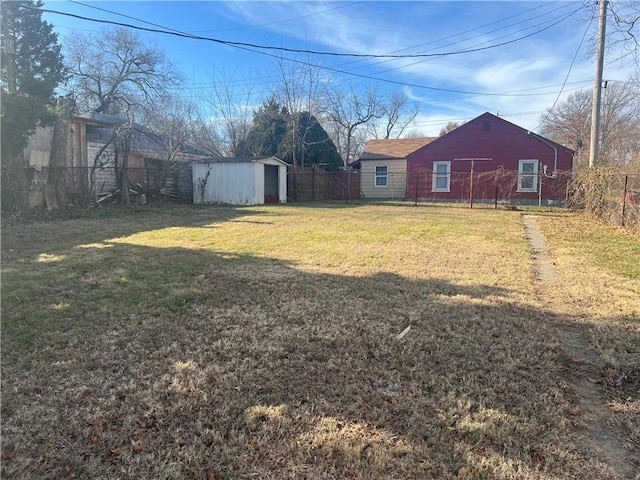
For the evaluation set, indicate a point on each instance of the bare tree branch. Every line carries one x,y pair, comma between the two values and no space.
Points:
116,71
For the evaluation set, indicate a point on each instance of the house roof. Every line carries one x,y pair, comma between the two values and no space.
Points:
489,116
382,149
103,125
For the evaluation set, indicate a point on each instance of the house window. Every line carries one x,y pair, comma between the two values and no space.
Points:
441,177
528,176
381,176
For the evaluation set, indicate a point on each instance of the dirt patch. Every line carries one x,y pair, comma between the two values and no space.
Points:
592,416
590,406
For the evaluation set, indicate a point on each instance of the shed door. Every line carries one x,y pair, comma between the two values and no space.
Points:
271,184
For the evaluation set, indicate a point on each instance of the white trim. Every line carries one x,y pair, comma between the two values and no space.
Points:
435,176
376,176
533,176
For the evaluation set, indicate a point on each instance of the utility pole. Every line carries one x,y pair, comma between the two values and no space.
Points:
597,87
9,50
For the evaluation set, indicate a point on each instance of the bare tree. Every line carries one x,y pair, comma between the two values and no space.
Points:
300,89
116,71
570,124
416,133
225,114
176,130
397,115
174,125
623,35
346,112
449,127
620,123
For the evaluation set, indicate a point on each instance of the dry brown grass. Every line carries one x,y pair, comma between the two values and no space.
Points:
599,289
262,343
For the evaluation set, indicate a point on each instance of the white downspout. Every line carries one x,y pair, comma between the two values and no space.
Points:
540,185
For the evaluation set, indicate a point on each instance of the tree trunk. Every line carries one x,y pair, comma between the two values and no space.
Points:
58,182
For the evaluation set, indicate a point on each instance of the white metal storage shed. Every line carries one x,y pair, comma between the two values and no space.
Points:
240,180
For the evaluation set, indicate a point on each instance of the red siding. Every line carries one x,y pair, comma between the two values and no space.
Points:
487,136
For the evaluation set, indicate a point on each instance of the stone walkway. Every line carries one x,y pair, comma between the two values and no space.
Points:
545,269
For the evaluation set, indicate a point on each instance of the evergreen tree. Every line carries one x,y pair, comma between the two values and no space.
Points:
271,135
32,68
268,132
316,147
31,59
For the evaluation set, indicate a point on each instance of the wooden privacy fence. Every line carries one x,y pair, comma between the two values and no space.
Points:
315,185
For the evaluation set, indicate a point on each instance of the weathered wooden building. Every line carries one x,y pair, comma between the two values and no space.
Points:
153,165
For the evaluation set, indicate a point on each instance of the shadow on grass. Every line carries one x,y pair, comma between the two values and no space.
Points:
172,363
64,233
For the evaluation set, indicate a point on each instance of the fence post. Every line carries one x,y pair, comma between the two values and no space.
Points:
417,182
348,185
624,197
471,187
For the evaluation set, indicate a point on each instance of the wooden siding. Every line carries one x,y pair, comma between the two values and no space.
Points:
105,173
396,181
488,136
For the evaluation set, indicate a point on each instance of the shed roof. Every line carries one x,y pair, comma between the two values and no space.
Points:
393,148
240,159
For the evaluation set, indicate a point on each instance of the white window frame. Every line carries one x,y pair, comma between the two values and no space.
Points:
377,176
436,176
533,176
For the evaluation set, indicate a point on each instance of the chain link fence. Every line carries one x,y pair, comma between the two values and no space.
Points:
59,187
605,193
495,187
609,195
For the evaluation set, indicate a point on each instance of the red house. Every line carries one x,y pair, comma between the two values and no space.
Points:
490,159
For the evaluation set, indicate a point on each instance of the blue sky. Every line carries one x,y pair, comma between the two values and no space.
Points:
519,79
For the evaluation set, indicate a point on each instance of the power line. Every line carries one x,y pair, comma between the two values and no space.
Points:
249,47
285,20
219,29
170,31
584,35
126,16
474,36
352,74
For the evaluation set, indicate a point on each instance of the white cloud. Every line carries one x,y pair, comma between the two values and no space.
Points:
536,67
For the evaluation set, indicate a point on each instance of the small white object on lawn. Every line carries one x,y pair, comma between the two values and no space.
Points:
404,332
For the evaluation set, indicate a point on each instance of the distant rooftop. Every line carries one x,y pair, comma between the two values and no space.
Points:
393,148
144,138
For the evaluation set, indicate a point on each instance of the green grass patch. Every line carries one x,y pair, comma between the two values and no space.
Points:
612,248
